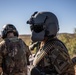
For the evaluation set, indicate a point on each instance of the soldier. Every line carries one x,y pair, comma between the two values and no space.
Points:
52,57
14,53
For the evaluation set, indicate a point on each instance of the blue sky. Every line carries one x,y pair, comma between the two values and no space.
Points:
17,12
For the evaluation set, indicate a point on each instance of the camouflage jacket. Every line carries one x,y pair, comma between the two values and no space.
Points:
14,56
53,59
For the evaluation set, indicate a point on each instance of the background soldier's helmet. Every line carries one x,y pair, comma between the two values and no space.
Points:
8,28
44,21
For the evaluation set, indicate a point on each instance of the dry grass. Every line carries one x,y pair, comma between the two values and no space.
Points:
25,38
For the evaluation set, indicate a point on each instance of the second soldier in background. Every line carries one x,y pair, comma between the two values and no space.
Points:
52,57
14,53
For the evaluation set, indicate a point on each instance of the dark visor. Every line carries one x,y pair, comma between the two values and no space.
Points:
37,28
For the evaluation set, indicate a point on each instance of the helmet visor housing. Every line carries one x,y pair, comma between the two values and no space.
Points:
37,22
37,28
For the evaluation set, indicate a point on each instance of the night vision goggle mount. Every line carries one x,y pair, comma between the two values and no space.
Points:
37,26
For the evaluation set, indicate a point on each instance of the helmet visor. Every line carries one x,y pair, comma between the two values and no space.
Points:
37,28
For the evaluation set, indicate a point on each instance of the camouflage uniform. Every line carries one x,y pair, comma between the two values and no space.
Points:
53,59
14,55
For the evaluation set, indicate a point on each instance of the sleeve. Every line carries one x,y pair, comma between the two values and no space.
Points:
60,57
1,55
28,53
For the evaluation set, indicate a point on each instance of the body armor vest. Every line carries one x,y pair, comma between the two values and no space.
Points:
14,56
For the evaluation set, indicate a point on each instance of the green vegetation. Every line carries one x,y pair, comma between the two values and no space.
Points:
68,39
70,42
74,30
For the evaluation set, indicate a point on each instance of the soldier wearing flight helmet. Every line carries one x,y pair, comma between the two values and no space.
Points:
52,58
14,53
